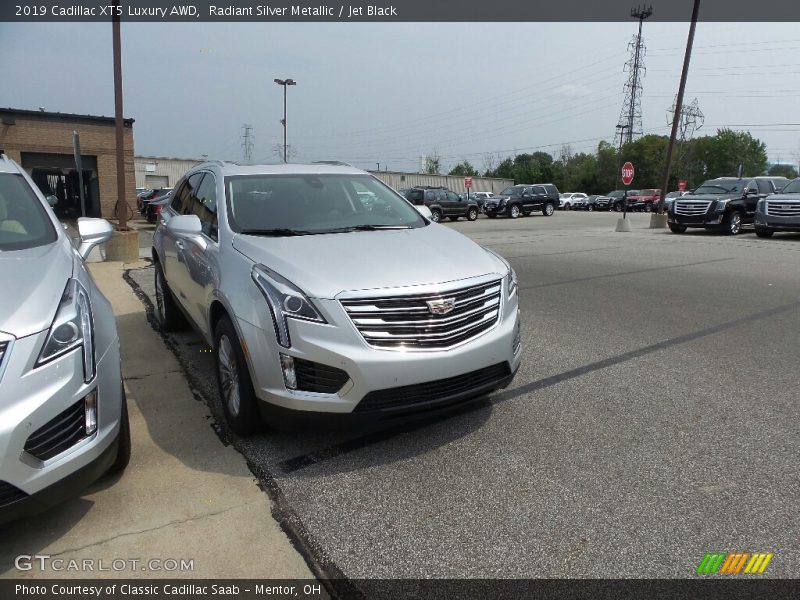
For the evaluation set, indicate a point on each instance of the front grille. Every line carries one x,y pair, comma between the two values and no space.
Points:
315,377
59,434
409,396
692,208
406,322
9,494
783,209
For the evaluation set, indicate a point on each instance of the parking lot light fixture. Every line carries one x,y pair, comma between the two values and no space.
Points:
285,83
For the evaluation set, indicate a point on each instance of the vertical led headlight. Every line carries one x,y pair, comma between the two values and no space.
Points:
72,326
285,300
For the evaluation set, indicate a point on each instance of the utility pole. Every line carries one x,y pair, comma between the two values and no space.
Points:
285,83
379,166
631,108
679,104
122,203
247,144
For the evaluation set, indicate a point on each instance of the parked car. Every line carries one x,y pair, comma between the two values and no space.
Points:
570,200
670,197
142,200
478,197
64,418
153,207
723,204
779,212
443,203
604,203
523,200
411,316
618,204
590,204
644,200
771,184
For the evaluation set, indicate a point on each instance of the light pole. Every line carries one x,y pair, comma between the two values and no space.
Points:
284,83
622,127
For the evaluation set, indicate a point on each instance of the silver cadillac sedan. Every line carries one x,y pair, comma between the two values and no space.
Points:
316,305
63,419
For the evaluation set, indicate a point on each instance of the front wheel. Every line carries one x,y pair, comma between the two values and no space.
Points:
733,223
617,207
436,215
548,209
675,228
170,317
590,208
513,211
233,381
764,233
648,207
472,214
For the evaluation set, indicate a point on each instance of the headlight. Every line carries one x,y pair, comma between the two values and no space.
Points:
721,204
511,282
285,301
72,326
761,205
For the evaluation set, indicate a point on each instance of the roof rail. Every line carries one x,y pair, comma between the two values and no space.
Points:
332,162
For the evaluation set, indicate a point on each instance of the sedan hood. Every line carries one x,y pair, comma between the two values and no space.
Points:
39,275
325,265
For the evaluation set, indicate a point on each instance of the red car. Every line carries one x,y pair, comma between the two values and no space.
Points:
645,200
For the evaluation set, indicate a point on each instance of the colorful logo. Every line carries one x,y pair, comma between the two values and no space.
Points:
734,563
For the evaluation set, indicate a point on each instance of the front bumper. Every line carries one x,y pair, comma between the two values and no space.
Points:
764,221
494,209
708,220
339,345
30,399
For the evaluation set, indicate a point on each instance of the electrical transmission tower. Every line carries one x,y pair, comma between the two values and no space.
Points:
690,120
631,113
247,144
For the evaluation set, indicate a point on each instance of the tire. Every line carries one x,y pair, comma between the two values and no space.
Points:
514,211
436,215
675,228
567,206
123,441
169,316
648,207
590,208
472,214
453,218
617,207
733,223
764,233
491,215
233,381
548,209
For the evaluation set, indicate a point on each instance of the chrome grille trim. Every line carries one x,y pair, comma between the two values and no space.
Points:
692,208
403,321
777,208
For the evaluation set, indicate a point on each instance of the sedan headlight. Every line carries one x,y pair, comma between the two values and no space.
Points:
285,301
73,326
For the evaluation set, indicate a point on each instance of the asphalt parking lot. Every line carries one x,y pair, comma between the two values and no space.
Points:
654,419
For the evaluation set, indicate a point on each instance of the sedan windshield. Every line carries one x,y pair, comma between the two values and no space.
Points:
793,187
23,220
720,186
315,204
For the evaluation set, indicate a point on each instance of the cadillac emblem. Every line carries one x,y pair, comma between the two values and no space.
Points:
441,306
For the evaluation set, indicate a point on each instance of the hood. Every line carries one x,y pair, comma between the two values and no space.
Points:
39,276
325,265
783,198
711,197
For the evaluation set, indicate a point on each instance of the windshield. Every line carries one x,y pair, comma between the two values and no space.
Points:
511,191
793,187
309,204
23,220
720,186
616,194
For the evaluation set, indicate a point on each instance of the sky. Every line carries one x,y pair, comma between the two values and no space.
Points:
371,93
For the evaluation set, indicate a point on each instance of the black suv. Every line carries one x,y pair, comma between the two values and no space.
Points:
442,202
523,199
724,204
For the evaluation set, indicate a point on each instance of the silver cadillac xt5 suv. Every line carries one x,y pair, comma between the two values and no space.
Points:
63,419
317,305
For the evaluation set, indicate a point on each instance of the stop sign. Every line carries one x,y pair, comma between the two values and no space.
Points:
682,185
467,182
627,173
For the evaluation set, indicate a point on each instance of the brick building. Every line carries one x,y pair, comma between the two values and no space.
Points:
42,142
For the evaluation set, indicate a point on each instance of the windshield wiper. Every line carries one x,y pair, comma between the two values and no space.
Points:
279,232
367,228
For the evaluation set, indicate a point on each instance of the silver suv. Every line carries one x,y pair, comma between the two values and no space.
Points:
63,418
315,304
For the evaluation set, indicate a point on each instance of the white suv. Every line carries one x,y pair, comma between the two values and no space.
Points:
314,304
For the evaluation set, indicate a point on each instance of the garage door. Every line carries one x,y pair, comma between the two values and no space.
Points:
155,182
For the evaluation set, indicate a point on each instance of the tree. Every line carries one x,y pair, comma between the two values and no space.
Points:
782,170
433,163
464,169
721,155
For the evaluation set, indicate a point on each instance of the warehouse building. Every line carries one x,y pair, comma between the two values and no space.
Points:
42,142
155,172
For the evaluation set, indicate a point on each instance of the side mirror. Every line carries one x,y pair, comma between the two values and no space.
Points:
92,232
185,225
52,200
424,211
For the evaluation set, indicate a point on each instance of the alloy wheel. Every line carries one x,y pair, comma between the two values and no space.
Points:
228,375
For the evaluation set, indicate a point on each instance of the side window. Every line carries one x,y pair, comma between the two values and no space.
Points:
205,206
182,204
441,196
752,187
177,197
429,196
453,197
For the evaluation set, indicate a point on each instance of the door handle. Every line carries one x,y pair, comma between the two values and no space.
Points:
179,244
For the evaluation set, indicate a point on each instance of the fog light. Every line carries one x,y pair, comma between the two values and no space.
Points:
90,412
289,377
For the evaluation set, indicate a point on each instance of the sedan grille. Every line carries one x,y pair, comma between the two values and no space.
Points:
59,434
411,396
9,494
315,377
410,323
783,209
692,208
